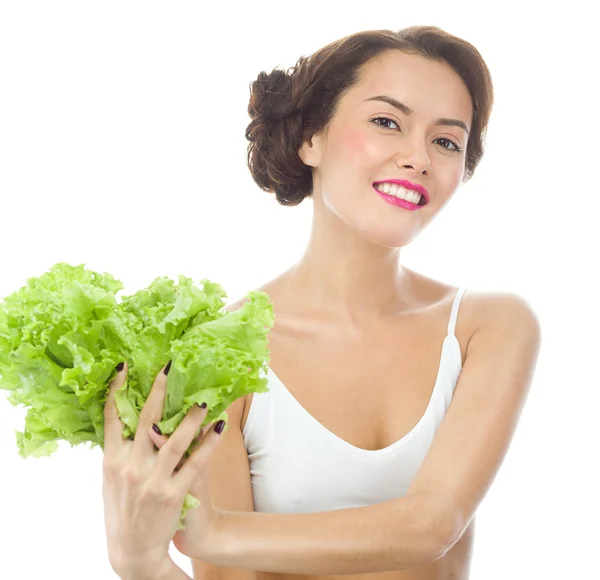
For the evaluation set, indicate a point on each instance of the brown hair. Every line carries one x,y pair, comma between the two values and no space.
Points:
289,107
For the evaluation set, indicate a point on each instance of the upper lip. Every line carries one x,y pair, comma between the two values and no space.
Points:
408,185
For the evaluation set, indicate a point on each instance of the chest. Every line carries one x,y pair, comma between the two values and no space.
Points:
368,388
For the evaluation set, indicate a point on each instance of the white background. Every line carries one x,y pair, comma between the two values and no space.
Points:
122,147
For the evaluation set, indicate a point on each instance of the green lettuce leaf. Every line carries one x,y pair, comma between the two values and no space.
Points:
63,333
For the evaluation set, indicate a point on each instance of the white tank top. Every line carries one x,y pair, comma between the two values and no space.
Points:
297,465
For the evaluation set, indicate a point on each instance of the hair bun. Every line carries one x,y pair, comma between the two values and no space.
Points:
270,96
275,135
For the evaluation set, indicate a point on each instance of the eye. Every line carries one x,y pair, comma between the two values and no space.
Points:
451,145
384,119
456,149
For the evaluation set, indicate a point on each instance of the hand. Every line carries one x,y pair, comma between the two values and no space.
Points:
199,539
143,495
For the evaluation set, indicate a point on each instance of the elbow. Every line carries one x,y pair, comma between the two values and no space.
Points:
439,545
441,530
442,536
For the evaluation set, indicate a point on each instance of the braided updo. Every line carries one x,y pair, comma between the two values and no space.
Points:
287,107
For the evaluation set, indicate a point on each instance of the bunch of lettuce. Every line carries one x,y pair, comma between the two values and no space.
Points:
63,333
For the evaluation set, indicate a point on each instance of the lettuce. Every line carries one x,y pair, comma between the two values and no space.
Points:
63,333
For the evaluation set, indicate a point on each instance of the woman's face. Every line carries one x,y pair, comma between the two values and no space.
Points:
369,141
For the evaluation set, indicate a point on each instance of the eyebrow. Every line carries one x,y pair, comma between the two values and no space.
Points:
408,111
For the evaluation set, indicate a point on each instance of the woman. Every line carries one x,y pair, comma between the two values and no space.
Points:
373,447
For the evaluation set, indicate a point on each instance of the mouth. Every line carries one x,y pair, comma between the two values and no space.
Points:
401,191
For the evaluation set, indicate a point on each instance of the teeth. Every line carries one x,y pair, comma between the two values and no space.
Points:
399,191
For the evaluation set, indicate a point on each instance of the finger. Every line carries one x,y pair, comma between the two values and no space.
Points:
113,426
197,461
160,440
203,431
151,413
180,440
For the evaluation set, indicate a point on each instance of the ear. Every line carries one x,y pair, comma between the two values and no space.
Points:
312,149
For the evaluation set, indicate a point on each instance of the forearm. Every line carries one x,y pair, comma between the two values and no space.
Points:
167,571
391,535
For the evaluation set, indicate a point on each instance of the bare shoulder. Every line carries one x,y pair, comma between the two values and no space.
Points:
433,290
503,321
503,307
481,309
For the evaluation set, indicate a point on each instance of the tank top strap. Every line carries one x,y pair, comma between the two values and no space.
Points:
454,313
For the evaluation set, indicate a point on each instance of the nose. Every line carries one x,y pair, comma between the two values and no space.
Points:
414,154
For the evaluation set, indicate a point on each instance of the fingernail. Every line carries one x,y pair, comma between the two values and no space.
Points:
120,367
203,406
156,429
168,368
220,426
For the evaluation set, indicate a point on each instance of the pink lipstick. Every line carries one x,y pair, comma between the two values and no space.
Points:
408,185
397,201
402,202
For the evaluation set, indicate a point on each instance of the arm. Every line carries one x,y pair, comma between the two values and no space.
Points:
170,571
230,488
375,538
457,472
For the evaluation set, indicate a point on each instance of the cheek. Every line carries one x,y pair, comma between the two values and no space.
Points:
356,147
455,176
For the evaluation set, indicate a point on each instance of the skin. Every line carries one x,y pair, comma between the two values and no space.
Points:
354,248
354,253
143,491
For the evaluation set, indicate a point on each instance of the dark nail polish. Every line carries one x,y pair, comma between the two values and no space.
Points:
120,367
156,429
168,368
220,426
203,406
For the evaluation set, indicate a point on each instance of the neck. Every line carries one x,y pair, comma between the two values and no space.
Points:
345,277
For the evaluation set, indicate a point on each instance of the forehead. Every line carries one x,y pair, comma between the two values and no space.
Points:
428,86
